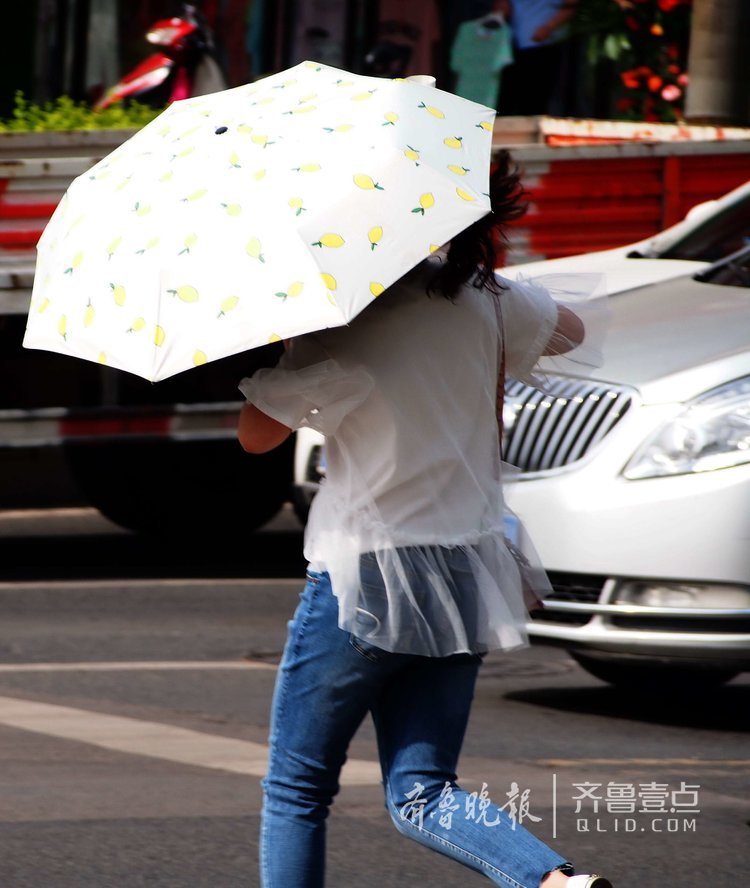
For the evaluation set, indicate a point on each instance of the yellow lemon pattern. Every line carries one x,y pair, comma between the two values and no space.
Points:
149,245
188,243
228,304
118,294
426,201
281,209
75,262
186,293
331,239
254,249
196,195
464,194
294,289
412,154
375,235
366,183
431,109
341,128
112,248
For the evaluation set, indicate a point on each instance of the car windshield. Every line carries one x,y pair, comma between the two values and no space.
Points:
732,271
718,236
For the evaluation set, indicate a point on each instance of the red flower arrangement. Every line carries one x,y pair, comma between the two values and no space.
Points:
647,42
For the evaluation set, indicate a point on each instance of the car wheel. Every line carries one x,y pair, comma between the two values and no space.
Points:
195,489
653,675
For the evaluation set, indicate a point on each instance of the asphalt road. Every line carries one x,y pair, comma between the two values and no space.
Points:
135,683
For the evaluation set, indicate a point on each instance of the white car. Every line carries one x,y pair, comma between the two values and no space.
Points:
635,485
710,231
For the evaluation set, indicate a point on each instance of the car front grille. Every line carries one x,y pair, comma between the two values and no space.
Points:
547,430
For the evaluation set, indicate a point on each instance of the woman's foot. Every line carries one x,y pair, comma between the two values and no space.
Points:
585,881
556,879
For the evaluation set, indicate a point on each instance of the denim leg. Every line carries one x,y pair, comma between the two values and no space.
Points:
421,717
324,688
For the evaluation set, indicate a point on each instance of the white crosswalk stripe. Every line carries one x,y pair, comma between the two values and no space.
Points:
157,740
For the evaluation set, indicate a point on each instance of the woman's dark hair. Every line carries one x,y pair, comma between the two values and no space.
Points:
474,252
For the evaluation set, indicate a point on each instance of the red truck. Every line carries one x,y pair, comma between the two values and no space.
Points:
164,457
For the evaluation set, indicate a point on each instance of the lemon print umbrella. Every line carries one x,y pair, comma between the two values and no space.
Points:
260,212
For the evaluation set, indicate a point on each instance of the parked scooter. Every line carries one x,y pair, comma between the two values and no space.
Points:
186,65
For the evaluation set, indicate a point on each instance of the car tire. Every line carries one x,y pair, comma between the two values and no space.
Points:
653,675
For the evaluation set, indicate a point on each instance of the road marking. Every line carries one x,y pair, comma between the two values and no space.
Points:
702,763
127,665
156,740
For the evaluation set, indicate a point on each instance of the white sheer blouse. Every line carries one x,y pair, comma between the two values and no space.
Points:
409,521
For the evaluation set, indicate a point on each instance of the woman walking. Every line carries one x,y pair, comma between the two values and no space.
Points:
410,581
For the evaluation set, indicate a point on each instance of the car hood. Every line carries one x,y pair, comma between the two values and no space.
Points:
675,340
621,273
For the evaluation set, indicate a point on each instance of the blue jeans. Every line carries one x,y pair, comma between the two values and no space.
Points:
328,681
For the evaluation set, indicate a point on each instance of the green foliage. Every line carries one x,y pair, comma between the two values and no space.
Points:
64,114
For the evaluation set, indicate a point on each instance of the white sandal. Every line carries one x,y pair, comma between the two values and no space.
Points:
586,881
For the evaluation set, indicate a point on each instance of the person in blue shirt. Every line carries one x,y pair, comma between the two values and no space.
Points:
540,37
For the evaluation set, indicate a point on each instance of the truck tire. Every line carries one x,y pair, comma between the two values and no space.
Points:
186,489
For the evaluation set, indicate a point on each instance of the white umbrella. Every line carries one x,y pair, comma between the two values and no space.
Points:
256,214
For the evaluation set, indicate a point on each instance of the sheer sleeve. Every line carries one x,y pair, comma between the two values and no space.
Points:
307,389
527,298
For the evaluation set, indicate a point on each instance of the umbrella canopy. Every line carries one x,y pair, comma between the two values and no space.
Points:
256,214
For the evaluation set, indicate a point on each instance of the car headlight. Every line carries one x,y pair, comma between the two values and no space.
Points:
711,432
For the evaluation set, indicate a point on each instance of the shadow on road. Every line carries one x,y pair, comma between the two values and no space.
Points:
126,556
723,708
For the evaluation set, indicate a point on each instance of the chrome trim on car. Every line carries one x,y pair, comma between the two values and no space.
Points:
551,429
596,636
644,610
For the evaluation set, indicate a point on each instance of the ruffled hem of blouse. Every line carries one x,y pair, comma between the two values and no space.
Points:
471,596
